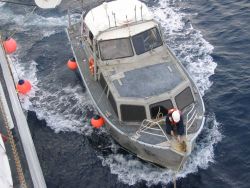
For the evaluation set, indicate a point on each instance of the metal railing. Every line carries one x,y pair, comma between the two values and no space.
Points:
155,125
152,125
190,117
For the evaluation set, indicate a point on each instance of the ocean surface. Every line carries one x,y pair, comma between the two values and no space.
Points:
212,40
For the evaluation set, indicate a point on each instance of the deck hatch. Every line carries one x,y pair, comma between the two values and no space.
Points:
148,81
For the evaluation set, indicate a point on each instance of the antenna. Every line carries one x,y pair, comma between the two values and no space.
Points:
109,20
105,5
114,18
135,12
128,25
141,12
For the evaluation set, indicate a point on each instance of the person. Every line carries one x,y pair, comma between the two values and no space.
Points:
174,124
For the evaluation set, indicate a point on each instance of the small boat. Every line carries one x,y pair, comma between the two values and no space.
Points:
134,78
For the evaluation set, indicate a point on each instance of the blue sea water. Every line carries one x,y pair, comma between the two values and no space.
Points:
211,38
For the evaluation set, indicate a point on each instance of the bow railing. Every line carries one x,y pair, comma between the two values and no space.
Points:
152,128
190,117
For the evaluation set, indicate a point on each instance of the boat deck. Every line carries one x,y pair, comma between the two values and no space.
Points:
141,82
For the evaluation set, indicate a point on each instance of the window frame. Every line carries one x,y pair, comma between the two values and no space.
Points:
158,33
130,42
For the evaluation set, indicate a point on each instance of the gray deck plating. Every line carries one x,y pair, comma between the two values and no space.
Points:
148,81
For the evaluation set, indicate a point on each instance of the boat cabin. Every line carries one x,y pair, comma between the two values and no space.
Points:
137,72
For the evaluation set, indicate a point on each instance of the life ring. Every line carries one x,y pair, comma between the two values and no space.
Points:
91,65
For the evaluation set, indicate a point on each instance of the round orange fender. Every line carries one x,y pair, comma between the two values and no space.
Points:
23,86
72,65
97,121
10,45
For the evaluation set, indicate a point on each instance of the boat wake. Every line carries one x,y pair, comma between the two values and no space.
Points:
67,107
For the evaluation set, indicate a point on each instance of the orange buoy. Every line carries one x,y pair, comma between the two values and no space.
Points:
97,121
72,65
10,45
23,86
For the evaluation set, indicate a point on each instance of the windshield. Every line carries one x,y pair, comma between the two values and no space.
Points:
146,41
115,48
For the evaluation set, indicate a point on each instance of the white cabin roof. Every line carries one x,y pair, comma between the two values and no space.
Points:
116,13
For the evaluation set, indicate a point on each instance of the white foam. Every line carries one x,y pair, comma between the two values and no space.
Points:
53,105
2,4
63,108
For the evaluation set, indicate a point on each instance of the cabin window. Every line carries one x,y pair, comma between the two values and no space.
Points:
112,102
184,99
132,113
160,107
146,41
115,48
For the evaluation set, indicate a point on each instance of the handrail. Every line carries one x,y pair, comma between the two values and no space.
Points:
148,125
190,110
190,120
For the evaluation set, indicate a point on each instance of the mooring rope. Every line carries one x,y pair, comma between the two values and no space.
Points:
13,147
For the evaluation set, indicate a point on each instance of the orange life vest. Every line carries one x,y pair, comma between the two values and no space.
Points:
91,65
